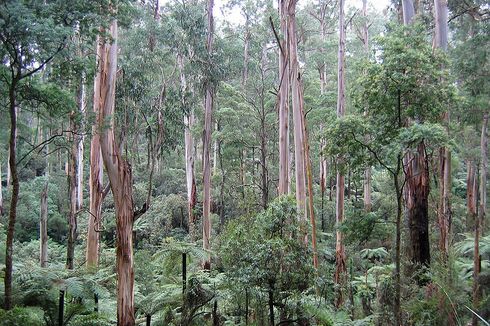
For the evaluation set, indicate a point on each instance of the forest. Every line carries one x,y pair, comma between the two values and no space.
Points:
244,162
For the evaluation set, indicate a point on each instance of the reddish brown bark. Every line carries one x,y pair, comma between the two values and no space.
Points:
120,178
416,201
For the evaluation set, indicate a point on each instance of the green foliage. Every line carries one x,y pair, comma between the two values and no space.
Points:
21,317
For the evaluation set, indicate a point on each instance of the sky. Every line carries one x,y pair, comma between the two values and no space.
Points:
235,17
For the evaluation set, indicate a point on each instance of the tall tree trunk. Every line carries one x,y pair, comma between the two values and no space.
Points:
297,107
120,178
479,225
471,195
246,46
367,171
189,152
82,94
399,195
1,194
408,11
416,200
72,192
14,198
96,172
417,187
284,169
43,227
340,266
444,212
208,112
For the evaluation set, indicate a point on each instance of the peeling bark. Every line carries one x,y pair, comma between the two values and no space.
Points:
120,178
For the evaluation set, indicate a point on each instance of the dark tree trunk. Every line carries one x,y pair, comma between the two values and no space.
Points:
14,197
184,272
416,198
61,307
271,303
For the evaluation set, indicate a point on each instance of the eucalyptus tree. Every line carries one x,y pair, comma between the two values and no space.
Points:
32,35
340,264
387,91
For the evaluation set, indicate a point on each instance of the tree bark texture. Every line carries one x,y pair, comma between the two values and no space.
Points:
72,192
189,151
416,187
120,178
340,264
297,107
96,172
284,170
444,212
471,195
15,193
479,224
417,205
208,124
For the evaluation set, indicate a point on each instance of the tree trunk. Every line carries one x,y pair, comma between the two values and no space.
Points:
246,46
284,170
479,225
399,205
271,304
208,112
43,227
189,151
367,171
15,193
1,194
416,200
72,193
297,107
61,307
471,195
417,187
340,266
120,178
408,11
96,172
444,212
81,99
